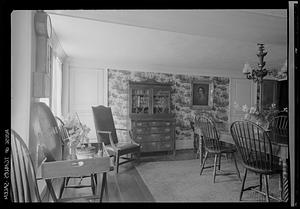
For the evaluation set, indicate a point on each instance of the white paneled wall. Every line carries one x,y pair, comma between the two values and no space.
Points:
22,66
87,88
242,91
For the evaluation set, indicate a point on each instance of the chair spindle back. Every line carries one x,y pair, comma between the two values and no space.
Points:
254,145
23,178
209,133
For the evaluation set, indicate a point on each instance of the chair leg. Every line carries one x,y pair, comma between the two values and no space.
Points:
93,184
198,154
62,187
260,182
243,184
51,190
281,186
215,165
236,167
137,157
95,179
219,166
117,162
202,166
80,180
267,188
103,185
67,181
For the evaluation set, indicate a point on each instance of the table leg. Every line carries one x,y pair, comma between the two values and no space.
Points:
200,149
98,187
103,186
51,190
285,191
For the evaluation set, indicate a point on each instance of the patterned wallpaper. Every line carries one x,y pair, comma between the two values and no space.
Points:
181,98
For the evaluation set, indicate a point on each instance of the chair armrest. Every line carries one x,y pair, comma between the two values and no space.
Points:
110,138
130,135
121,129
131,138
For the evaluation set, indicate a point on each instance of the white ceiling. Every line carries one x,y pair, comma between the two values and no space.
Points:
179,41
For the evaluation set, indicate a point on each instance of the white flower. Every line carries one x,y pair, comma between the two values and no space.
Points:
245,108
247,116
252,110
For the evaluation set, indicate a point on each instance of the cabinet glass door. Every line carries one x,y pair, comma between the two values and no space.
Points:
161,102
140,101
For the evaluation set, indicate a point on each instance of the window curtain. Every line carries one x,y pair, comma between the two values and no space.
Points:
56,92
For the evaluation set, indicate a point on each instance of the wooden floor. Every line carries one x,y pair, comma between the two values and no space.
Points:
127,185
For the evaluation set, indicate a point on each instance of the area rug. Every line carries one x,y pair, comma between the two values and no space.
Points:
180,181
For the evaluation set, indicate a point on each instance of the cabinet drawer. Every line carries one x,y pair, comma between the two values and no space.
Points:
153,137
141,130
160,123
152,130
151,123
155,129
165,145
149,147
140,124
156,146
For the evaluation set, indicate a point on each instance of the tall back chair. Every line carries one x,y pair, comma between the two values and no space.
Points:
23,177
213,145
254,145
279,128
106,133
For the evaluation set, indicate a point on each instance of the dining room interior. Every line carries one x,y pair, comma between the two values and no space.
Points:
154,105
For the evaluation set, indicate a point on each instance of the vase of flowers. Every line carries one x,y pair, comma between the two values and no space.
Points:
78,140
262,117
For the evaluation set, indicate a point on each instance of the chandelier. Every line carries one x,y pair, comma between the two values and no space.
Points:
257,75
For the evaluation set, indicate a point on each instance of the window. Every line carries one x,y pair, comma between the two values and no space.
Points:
56,86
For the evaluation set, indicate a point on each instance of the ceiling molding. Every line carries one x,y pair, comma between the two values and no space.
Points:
281,13
189,22
221,41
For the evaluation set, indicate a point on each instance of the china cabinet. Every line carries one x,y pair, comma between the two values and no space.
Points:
152,123
275,92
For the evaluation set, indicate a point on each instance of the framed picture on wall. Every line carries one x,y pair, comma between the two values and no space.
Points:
202,94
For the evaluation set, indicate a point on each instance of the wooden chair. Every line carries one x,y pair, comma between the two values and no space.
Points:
106,133
23,185
65,138
254,145
213,145
278,128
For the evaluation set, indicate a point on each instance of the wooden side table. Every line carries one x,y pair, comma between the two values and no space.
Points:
98,164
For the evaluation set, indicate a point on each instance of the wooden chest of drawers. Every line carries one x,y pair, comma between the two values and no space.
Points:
154,135
152,122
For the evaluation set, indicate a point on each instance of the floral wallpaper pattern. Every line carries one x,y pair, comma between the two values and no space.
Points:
118,99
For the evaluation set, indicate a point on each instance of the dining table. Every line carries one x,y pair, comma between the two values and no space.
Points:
280,148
